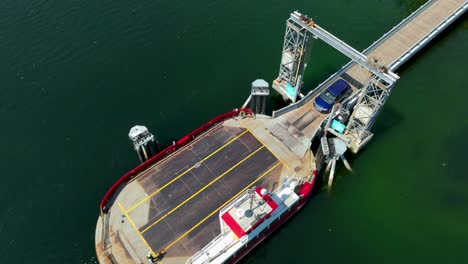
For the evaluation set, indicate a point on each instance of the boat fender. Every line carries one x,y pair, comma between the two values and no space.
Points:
242,114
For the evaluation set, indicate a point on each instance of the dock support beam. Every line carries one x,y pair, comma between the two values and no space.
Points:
294,57
373,96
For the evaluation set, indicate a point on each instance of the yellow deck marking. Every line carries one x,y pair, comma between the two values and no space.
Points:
136,229
185,172
267,147
202,189
219,208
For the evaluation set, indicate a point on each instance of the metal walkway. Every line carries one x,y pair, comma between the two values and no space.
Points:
394,48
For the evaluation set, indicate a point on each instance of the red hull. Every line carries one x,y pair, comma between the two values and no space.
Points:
252,244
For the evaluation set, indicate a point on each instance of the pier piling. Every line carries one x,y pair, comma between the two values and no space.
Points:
143,142
258,96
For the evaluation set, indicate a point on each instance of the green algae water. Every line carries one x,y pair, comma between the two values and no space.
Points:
78,74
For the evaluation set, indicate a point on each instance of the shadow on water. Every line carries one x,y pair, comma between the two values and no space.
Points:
388,118
316,75
457,146
277,101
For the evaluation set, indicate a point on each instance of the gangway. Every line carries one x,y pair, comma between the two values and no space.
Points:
299,30
372,96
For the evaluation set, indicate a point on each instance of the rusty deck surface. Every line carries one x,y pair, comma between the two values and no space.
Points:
173,205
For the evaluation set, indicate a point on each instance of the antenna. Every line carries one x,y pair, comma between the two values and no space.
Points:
252,196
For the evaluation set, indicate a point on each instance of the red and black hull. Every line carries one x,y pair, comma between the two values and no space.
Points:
305,193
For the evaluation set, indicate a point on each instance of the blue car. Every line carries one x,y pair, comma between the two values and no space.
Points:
335,93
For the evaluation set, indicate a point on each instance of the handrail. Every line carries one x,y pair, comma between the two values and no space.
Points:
201,251
165,152
428,37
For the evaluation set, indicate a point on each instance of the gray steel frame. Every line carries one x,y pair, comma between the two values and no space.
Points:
296,43
371,100
361,59
374,93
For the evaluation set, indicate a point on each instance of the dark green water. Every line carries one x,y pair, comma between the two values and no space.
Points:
77,74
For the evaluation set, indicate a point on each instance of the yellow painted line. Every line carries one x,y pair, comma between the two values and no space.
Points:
185,172
201,190
136,229
267,148
219,208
